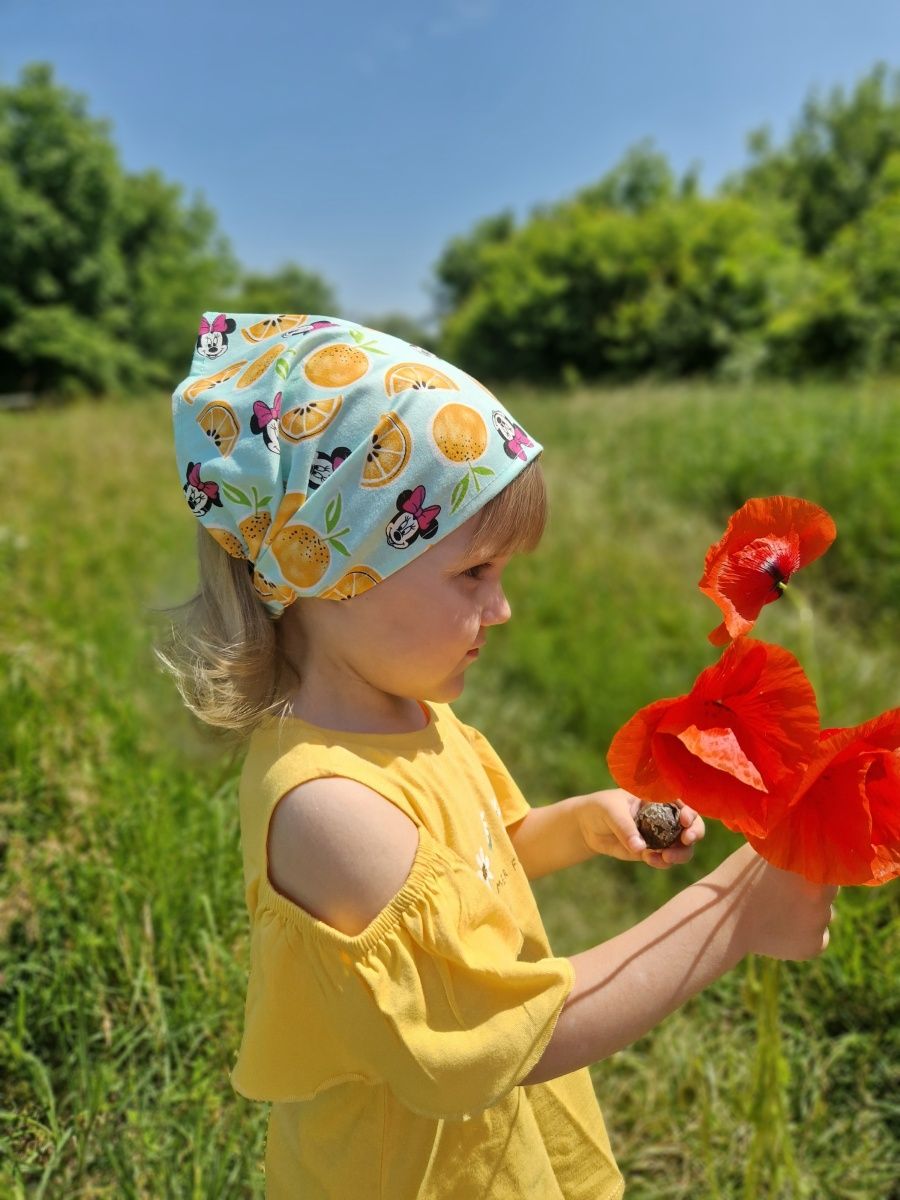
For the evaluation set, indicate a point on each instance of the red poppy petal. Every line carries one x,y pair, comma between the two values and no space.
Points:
885,865
712,792
765,542
736,747
827,837
747,578
883,796
882,731
719,748
837,745
720,635
774,516
630,758
770,706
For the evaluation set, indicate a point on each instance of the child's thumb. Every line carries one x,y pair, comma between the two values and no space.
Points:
623,826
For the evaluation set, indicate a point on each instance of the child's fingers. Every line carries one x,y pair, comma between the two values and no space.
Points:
693,828
673,856
621,822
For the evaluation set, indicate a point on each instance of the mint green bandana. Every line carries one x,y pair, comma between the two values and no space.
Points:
329,455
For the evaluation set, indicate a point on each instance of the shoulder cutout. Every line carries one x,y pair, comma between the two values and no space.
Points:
340,850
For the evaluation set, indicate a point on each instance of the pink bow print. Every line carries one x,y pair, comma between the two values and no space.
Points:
218,326
210,489
264,414
516,444
424,516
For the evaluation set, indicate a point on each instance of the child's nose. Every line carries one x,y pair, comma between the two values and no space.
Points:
497,609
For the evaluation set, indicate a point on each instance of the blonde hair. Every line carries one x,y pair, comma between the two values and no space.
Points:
227,653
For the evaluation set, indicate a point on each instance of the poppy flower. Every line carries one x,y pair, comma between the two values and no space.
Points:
766,541
734,748
843,824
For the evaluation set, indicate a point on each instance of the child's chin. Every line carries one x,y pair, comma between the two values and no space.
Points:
449,689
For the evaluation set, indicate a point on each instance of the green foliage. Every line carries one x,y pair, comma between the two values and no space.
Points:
791,268
830,168
677,288
177,266
640,181
460,268
102,272
123,932
290,289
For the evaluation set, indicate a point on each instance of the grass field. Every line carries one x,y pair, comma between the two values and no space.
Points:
123,934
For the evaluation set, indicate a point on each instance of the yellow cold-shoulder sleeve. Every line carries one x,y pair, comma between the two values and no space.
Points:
431,998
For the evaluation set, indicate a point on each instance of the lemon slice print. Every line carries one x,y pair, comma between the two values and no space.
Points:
199,386
272,591
221,426
354,583
272,326
258,367
415,375
308,420
389,452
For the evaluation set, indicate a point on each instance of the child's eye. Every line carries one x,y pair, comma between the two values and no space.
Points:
473,572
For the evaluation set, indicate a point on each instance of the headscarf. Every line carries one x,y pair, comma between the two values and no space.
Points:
329,455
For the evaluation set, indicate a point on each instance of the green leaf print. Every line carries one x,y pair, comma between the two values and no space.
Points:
236,496
360,338
339,545
283,365
482,470
459,494
263,501
333,513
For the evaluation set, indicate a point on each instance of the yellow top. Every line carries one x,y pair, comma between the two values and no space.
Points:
393,1056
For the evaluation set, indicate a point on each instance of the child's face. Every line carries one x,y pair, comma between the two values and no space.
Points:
412,635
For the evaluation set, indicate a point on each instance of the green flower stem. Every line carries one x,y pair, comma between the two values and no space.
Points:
807,635
770,1162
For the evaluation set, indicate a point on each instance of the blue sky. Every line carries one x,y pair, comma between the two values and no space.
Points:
356,138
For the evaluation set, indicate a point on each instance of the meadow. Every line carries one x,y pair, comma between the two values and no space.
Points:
123,931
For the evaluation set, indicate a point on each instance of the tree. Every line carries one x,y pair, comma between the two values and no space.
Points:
102,274
290,289
829,167
459,269
641,180
677,288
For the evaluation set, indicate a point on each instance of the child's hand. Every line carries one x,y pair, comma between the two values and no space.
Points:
783,915
607,823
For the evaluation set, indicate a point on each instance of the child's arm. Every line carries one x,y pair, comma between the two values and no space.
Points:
571,831
341,850
627,985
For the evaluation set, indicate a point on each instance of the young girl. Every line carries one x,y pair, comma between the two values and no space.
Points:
359,501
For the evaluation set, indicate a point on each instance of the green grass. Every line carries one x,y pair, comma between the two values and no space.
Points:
123,933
